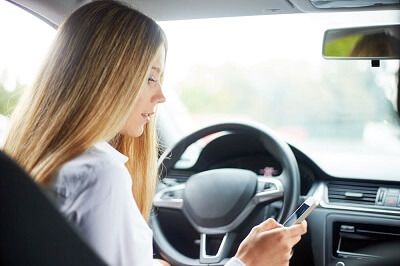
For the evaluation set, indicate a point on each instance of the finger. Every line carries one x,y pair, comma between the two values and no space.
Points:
294,240
269,224
297,229
304,224
303,228
281,230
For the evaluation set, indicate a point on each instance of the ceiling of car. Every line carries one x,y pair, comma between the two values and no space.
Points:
54,11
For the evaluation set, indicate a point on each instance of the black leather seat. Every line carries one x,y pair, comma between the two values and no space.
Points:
32,231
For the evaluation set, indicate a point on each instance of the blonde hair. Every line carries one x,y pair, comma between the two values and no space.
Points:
85,92
376,45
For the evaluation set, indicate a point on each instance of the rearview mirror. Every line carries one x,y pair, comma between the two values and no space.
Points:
378,42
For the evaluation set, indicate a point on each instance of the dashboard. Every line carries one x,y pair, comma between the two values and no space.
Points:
355,223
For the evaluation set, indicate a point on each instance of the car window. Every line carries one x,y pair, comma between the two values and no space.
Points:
24,43
270,69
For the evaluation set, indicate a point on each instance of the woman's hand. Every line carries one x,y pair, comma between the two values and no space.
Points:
158,262
269,243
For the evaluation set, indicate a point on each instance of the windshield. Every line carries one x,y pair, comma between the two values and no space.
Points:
270,69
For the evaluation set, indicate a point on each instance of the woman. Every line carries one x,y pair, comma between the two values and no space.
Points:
86,132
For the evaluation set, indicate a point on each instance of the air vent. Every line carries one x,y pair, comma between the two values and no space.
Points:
352,192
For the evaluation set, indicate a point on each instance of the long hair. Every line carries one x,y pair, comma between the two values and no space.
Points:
85,92
377,45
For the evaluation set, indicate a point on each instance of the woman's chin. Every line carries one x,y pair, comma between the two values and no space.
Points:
133,132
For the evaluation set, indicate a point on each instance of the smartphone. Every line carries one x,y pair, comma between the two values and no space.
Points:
302,212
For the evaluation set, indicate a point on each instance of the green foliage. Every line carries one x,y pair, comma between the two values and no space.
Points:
8,99
342,47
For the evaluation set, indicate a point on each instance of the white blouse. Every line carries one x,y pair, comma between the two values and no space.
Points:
94,192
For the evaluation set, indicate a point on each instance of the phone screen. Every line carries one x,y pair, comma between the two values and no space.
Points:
293,218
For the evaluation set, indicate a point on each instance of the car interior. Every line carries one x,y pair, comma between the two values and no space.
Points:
221,177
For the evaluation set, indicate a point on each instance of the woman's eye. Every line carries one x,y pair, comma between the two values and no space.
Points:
151,79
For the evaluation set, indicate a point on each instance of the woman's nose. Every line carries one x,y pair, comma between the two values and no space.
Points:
159,97
162,97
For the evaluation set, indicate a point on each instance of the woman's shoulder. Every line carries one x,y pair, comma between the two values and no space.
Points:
93,170
93,161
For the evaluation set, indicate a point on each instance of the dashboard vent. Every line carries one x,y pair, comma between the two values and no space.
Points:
352,192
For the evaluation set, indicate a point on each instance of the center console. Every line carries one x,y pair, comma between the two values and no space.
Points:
347,232
359,239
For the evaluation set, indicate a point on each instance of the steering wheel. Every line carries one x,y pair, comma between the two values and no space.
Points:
218,201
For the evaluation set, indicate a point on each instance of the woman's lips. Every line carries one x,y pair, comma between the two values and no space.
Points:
147,116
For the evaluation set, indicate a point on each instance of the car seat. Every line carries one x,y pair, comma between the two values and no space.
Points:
32,230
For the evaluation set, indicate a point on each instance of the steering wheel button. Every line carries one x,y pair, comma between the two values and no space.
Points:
267,186
166,195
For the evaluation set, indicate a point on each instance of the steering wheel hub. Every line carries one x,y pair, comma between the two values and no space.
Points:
215,198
